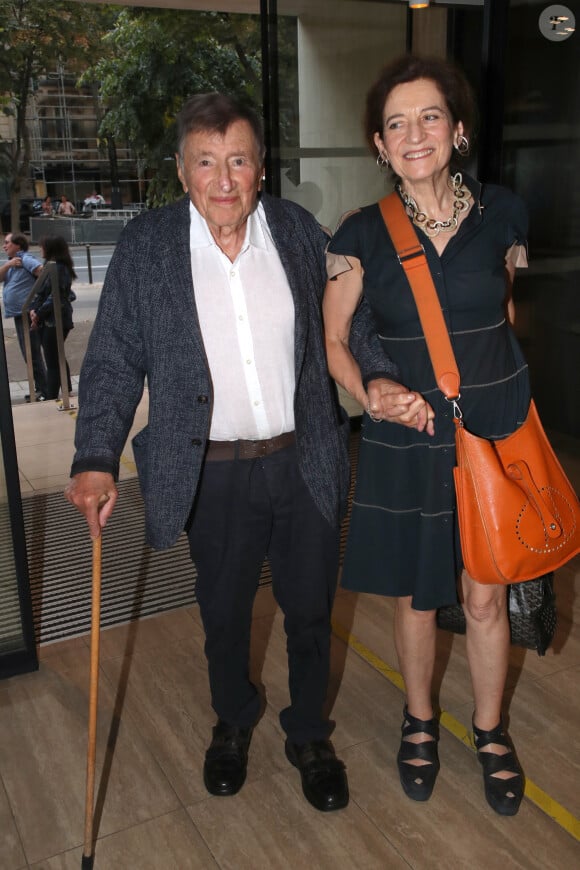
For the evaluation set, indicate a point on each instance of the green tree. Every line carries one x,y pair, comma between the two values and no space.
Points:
36,37
157,58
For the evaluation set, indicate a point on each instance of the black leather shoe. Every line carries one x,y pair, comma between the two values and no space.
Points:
226,760
324,781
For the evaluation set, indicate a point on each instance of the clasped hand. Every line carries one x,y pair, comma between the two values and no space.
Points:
388,400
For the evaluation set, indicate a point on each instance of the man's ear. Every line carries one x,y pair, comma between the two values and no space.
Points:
179,167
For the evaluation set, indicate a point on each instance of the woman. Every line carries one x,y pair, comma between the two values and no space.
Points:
54,248
403,537
47,207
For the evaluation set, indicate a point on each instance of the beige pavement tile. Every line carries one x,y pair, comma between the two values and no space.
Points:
455,828
11,852
168,694
264,604
270,824
43,758
170,842
369,618
26,487
175,628
42,423
360,701
43,462
544,719
51,483
45,444
62,648
567,589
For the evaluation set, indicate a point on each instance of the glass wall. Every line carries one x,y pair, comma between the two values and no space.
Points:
540,160
321,60
17,648
523,60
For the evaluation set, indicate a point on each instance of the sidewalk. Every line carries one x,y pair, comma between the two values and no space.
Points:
76,345
44,435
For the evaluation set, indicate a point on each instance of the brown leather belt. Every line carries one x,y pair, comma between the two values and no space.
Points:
224,450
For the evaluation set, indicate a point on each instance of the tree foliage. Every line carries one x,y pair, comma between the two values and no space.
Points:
155,59
35,38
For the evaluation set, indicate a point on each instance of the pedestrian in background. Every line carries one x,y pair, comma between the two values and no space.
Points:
65,207
19,273
42,317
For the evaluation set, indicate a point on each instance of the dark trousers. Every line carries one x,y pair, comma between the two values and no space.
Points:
50,348
246,509
38,368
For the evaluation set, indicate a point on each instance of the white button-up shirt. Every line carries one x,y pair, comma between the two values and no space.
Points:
246,313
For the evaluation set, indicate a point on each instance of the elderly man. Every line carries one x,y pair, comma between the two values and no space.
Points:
216,301
19,273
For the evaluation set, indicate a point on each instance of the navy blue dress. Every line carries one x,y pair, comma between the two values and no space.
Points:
403,537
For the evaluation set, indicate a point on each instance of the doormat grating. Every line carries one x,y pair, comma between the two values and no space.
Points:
136,580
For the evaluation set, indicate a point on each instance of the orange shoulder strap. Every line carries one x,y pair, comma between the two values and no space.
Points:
411,254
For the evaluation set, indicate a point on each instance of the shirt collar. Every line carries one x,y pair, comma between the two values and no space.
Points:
257,230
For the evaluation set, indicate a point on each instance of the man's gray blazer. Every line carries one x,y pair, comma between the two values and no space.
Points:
147,327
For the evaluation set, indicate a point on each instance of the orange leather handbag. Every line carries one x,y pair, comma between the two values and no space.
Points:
518,513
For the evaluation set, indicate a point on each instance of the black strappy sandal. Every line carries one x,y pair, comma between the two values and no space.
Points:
503,795
418,779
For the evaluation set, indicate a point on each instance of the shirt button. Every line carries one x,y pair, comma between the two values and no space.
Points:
203,400
232,274
196,442
256,403
249,362
240,316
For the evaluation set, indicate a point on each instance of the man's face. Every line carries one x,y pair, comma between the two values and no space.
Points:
222,174
10,249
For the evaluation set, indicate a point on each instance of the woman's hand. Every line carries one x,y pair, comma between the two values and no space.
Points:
34,322
388,400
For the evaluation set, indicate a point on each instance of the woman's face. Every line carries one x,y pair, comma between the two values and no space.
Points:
418,133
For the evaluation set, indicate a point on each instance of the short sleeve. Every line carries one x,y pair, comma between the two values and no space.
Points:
336,264
345,243
346,239
517,256
29,262
517,230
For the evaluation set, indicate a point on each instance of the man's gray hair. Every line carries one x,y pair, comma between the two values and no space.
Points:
215,112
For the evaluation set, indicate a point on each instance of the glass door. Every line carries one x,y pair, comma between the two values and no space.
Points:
540,155
17,647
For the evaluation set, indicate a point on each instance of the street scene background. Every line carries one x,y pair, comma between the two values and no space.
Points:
84,309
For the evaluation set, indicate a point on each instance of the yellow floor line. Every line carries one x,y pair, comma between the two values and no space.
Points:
536,795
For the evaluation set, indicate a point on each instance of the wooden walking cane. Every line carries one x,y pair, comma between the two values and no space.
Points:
88,855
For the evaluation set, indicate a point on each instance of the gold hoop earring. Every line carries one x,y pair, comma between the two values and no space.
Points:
462,145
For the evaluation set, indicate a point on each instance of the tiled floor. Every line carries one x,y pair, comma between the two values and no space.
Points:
152,810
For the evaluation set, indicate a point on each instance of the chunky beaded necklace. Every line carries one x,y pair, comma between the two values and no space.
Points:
430,226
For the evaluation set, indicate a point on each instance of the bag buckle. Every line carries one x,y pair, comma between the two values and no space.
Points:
410,253
457,412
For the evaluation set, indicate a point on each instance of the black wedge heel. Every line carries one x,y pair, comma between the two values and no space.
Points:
418,780
503,795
